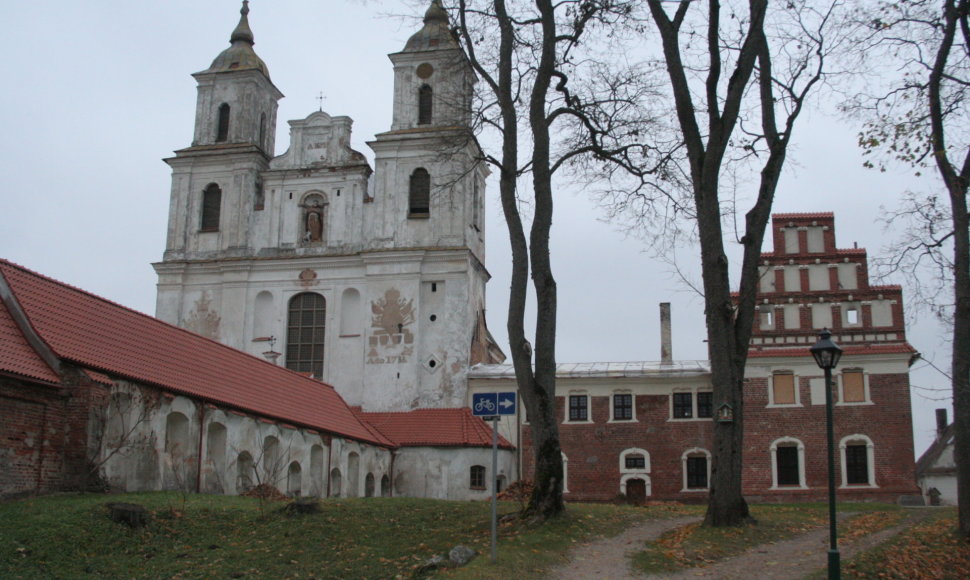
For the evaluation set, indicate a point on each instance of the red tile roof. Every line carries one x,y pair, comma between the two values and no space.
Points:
16,354
435,428
103,336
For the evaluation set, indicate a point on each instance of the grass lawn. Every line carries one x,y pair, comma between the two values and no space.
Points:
71,536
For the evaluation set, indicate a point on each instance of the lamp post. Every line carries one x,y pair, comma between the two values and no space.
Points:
827,355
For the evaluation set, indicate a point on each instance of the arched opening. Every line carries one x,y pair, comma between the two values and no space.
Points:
294,479
696,466
385,486
316,471
419,193
335,482
314,219
270,461
425,96
244,472
369,485
222,130
215,453
351,315
306,328
353,475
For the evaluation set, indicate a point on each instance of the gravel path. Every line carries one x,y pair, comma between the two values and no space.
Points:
791,559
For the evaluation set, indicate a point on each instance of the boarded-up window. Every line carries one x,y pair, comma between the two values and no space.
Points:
793,279
211,208
853,387
882,313
793,316
848,276
419,193
822,315
816,241
791,241
783,388
818,277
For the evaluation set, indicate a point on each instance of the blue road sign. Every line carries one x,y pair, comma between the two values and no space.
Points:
485,404
506,403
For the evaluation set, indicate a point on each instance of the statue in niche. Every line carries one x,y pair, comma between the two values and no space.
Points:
313,218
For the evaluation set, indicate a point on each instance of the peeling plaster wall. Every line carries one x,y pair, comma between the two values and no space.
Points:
444,472
219,440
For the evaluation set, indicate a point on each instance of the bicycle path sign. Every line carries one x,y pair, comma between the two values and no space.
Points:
492,404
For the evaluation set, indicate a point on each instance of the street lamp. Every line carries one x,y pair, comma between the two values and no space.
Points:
827,355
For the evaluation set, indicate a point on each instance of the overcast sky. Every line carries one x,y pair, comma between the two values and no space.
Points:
99,92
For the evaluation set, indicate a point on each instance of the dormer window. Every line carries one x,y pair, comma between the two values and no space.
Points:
424,105
222,131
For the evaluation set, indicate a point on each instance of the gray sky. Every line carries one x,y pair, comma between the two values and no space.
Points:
99,92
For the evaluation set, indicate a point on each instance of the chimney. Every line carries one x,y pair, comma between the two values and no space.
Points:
940,423
666,353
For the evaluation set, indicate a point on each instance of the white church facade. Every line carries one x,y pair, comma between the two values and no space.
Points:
370,279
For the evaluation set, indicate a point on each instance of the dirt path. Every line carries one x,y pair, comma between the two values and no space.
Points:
791,559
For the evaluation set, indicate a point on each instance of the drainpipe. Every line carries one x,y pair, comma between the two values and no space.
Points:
329,467
198,470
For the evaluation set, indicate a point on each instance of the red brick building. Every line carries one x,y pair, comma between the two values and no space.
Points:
644,429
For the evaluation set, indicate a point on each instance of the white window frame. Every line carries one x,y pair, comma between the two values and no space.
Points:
627,473
771,389
867,400
787,442
857,439
589,408
633,406
695,452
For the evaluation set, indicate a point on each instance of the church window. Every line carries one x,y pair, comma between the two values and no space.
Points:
424,105
477,477
222,130
305,334
262,130
211,207
419,193
635,461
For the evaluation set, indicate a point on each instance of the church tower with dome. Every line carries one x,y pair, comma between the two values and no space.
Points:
370,279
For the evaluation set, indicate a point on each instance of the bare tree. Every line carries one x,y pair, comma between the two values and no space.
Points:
740,74
116,429
920,117
529,55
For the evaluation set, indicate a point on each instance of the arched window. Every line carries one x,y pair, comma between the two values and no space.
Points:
697,468
211,207
858,461
385,486
222,131
215,455
419,193
316,471
788,462
305,331
369,485
425,95
477,477
335,481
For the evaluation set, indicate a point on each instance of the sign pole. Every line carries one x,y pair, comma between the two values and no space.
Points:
494,486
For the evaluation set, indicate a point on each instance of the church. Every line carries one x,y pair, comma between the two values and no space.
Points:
320,327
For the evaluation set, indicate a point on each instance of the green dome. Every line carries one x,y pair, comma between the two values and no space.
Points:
240,55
